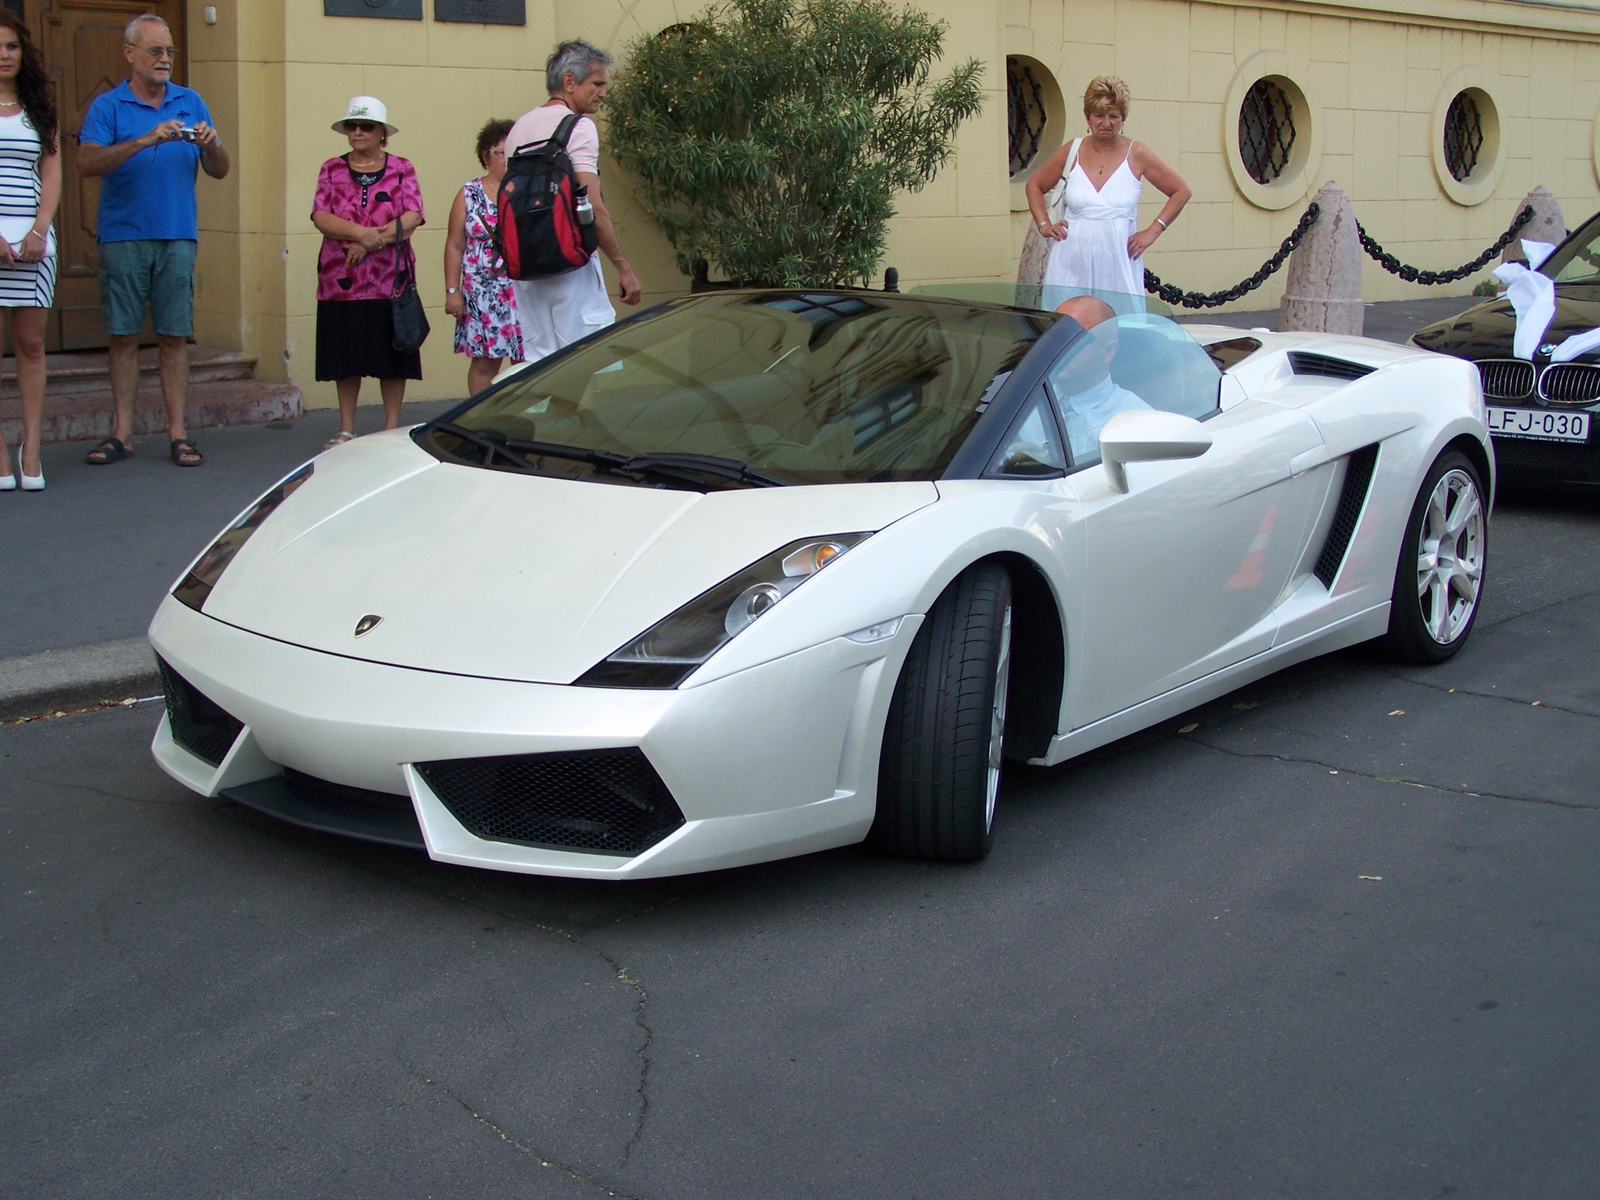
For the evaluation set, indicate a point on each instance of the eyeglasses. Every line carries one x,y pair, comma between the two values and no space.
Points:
161,51
500,153
363,126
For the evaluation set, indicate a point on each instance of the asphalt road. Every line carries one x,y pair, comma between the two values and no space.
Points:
1342,938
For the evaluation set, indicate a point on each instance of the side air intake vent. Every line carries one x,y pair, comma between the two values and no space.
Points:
598,801
1304,363
199,725
1352,498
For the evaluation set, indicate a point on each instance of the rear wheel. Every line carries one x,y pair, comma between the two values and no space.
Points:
1439,576
939,774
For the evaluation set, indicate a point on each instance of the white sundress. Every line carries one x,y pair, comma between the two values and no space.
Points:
1094,254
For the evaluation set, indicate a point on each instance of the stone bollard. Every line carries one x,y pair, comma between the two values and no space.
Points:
1546,225
1323,291
1035,254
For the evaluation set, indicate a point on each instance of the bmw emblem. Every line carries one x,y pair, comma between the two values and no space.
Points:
367,624
1547,349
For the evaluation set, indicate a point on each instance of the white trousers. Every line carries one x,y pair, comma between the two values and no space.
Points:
557,311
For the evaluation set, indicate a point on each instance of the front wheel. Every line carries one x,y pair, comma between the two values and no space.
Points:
939,774
1439,578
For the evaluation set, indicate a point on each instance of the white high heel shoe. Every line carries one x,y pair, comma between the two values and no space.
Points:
8,483
30,483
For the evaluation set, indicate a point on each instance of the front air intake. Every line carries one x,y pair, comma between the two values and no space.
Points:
1352,499
594,801
199,724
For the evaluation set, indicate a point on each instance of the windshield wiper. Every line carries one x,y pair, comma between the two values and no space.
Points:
600,458
490,445
704,464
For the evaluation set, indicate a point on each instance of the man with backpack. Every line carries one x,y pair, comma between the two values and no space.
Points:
561,296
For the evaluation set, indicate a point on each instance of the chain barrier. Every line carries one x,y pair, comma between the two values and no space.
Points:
1416,275
1176,295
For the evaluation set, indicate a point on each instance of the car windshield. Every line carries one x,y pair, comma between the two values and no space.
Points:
1578,260
796,387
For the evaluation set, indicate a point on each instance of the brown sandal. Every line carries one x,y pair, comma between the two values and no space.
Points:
185,453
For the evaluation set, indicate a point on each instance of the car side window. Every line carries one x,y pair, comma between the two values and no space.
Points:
1134,361
1032,447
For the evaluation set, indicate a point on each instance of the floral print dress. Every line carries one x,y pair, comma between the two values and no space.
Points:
489,328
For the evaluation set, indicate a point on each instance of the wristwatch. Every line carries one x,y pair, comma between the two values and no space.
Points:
451,291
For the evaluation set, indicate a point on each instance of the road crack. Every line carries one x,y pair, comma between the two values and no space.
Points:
1520,703
1416,783
533,1152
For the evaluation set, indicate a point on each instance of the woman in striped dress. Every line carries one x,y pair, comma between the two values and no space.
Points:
30,187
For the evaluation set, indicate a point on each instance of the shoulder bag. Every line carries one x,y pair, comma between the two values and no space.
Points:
410,321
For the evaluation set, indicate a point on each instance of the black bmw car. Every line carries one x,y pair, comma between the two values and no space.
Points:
1544,416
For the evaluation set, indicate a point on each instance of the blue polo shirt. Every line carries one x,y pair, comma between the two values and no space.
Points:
152,194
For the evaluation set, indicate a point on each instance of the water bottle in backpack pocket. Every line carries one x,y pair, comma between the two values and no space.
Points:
546,222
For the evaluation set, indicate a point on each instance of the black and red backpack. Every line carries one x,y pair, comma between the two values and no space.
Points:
538,229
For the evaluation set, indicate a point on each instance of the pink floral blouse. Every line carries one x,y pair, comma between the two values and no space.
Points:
378,203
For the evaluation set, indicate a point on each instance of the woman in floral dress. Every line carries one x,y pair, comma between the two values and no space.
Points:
477,293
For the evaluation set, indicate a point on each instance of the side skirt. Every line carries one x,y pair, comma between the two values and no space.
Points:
1361,627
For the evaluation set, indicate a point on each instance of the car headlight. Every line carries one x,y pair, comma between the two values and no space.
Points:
202,577
665,654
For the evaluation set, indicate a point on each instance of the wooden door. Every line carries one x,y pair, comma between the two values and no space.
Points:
82,44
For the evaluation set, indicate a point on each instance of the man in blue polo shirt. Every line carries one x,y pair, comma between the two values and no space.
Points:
148,137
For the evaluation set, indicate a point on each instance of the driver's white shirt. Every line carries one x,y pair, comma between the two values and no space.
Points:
1085,412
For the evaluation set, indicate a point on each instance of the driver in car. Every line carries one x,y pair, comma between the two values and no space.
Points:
1087,395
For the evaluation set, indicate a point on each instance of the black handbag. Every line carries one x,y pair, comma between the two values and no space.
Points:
410,321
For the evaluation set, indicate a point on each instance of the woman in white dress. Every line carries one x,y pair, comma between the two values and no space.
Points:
30,187
1095,245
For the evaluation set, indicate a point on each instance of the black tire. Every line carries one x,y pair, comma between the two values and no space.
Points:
1431,614
939,770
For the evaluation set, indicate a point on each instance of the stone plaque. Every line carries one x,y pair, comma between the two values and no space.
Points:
402,10
481,12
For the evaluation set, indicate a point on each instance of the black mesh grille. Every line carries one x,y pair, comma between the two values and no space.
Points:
1547,462
1570,383
599,801
1506,378
1025,114
1352,498
1302,363
1266,131
1463,136
198,725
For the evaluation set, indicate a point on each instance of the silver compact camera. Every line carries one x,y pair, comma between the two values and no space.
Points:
189,134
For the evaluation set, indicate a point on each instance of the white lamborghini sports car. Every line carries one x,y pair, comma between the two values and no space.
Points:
753,574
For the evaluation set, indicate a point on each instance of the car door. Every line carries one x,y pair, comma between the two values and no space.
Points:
1182,571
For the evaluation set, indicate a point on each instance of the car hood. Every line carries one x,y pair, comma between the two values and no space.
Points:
1486,330
503,575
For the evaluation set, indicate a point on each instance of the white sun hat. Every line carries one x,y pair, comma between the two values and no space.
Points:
365,108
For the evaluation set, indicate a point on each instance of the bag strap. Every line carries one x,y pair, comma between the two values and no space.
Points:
564,130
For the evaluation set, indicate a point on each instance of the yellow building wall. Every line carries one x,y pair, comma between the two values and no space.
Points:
276,75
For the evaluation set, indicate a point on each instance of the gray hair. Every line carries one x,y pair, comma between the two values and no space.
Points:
130,33
575,58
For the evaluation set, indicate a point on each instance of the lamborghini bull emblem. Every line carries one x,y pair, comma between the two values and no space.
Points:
367,624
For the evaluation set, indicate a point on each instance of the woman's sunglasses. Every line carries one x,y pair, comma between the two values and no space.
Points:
363,126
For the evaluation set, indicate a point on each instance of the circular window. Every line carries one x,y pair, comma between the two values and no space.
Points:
1026,113
1266,131
1270,132
1463,136
1466,137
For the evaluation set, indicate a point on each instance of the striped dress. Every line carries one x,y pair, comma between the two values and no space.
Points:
23,285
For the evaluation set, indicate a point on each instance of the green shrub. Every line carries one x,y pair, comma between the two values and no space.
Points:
1485,287
768,137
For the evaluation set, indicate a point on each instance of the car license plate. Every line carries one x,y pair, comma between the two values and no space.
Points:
1539,423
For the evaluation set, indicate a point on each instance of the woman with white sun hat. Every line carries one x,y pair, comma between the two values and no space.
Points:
367,203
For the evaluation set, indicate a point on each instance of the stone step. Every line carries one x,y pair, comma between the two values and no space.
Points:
88,370
78,416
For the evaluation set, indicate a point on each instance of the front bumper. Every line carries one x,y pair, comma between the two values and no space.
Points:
777,760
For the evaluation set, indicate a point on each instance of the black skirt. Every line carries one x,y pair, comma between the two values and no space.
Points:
356,337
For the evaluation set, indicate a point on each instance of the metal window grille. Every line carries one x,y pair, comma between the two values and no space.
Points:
1463,136
1266,131
1025,115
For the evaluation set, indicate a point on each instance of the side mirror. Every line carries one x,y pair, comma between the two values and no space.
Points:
1146,435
